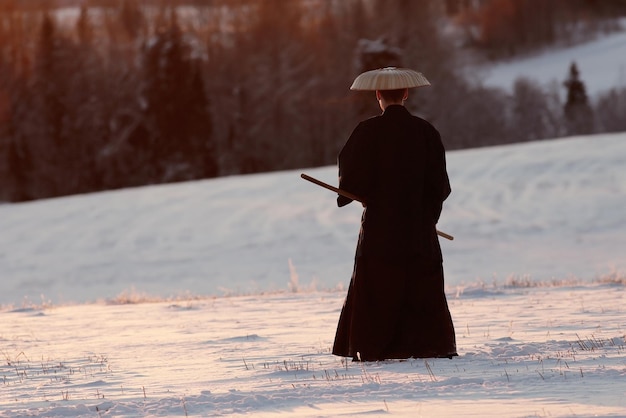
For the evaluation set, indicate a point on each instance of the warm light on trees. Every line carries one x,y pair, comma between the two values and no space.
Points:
105,94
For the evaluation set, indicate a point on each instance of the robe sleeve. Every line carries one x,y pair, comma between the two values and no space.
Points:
355,166
440,185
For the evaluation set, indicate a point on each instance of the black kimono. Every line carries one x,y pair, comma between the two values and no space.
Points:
396,306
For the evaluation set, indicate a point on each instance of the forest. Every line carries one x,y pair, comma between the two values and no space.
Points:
106,94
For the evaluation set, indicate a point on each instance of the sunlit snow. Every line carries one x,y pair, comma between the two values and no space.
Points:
221,297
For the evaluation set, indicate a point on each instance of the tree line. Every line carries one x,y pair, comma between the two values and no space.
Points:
126,93
506,28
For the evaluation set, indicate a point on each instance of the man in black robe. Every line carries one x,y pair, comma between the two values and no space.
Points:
396,307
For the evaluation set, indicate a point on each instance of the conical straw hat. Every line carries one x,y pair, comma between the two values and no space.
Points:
389,78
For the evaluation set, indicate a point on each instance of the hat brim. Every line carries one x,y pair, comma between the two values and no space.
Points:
390,78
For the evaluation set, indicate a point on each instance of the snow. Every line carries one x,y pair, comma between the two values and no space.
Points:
221,297
601,62
524,352
239,234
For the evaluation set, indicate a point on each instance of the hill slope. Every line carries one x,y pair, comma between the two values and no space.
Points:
602,65
550,210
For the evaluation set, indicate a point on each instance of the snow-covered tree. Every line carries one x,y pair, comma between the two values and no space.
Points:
611,110
533,117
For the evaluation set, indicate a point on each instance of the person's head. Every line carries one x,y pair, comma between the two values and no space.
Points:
389,97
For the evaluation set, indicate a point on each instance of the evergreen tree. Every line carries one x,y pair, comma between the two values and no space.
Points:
355,18
42,119
176,109
49,81
273,67
19,164
578,112
84,28
325,125
202,151
86,125
131,18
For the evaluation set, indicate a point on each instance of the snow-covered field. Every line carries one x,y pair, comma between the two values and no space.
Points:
221,297
524,352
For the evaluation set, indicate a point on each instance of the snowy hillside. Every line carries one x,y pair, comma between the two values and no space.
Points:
602,65
535,281
550,210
